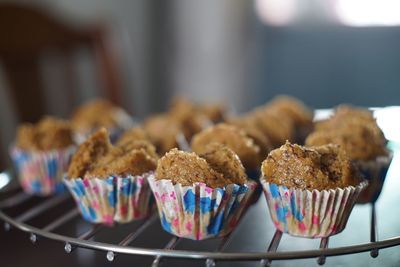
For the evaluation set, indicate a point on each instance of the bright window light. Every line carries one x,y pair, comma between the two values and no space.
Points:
361,13
276,12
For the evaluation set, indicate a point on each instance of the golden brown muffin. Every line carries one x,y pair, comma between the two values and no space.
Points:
132,162
162,131
232,137
320,168
355,130
254,133
187,168
223,160
214,112
95,114
97,157
357,140
188,116
278,128
294,108
133,134
140,144
89,152
48,134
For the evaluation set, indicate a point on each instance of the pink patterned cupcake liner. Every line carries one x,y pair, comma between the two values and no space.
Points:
312,214
41,172
198,211
119,199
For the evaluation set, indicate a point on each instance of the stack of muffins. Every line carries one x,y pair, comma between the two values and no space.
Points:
115,175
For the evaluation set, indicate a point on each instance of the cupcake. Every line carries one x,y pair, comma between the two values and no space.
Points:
310,191
41,155
98,113
296,112
201,196
357,132
109,183
234,138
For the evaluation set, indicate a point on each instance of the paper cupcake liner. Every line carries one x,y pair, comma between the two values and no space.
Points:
199,212
374,171
312,214
41,173
115,199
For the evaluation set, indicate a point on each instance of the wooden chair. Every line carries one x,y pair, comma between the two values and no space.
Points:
25,34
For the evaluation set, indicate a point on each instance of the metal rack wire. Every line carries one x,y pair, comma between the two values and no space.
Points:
210,258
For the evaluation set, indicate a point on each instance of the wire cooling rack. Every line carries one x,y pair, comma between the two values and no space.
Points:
11,199
167,251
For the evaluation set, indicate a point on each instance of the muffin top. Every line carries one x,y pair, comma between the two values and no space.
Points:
299,113
48,134
234,138
133,134
277,127
187,168
98,113
322,167
355,130
223,160
162,131
97,157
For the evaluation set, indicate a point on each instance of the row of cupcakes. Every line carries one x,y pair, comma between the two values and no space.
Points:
108,179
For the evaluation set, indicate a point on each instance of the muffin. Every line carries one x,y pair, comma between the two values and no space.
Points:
233,137
41,154
296,111
98,113
201,196
357,132
163,132
109,183
310,190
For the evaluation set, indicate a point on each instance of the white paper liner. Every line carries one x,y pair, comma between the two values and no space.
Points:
312,214
115,199
199,212
41,172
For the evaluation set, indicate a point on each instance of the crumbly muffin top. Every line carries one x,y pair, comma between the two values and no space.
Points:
136,133
95,114
277,127
187,168
223,160
260,139
355,130
48,134
323,167
162,131
294,108
232,137
97,157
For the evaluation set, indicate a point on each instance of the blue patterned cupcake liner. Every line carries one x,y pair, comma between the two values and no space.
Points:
199,212
311,214
119,199
41,172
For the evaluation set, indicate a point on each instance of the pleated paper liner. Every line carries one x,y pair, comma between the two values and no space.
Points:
41,172
114,199
375,172
312,214
200,212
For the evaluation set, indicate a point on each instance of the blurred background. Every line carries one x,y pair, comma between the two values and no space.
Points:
56,54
